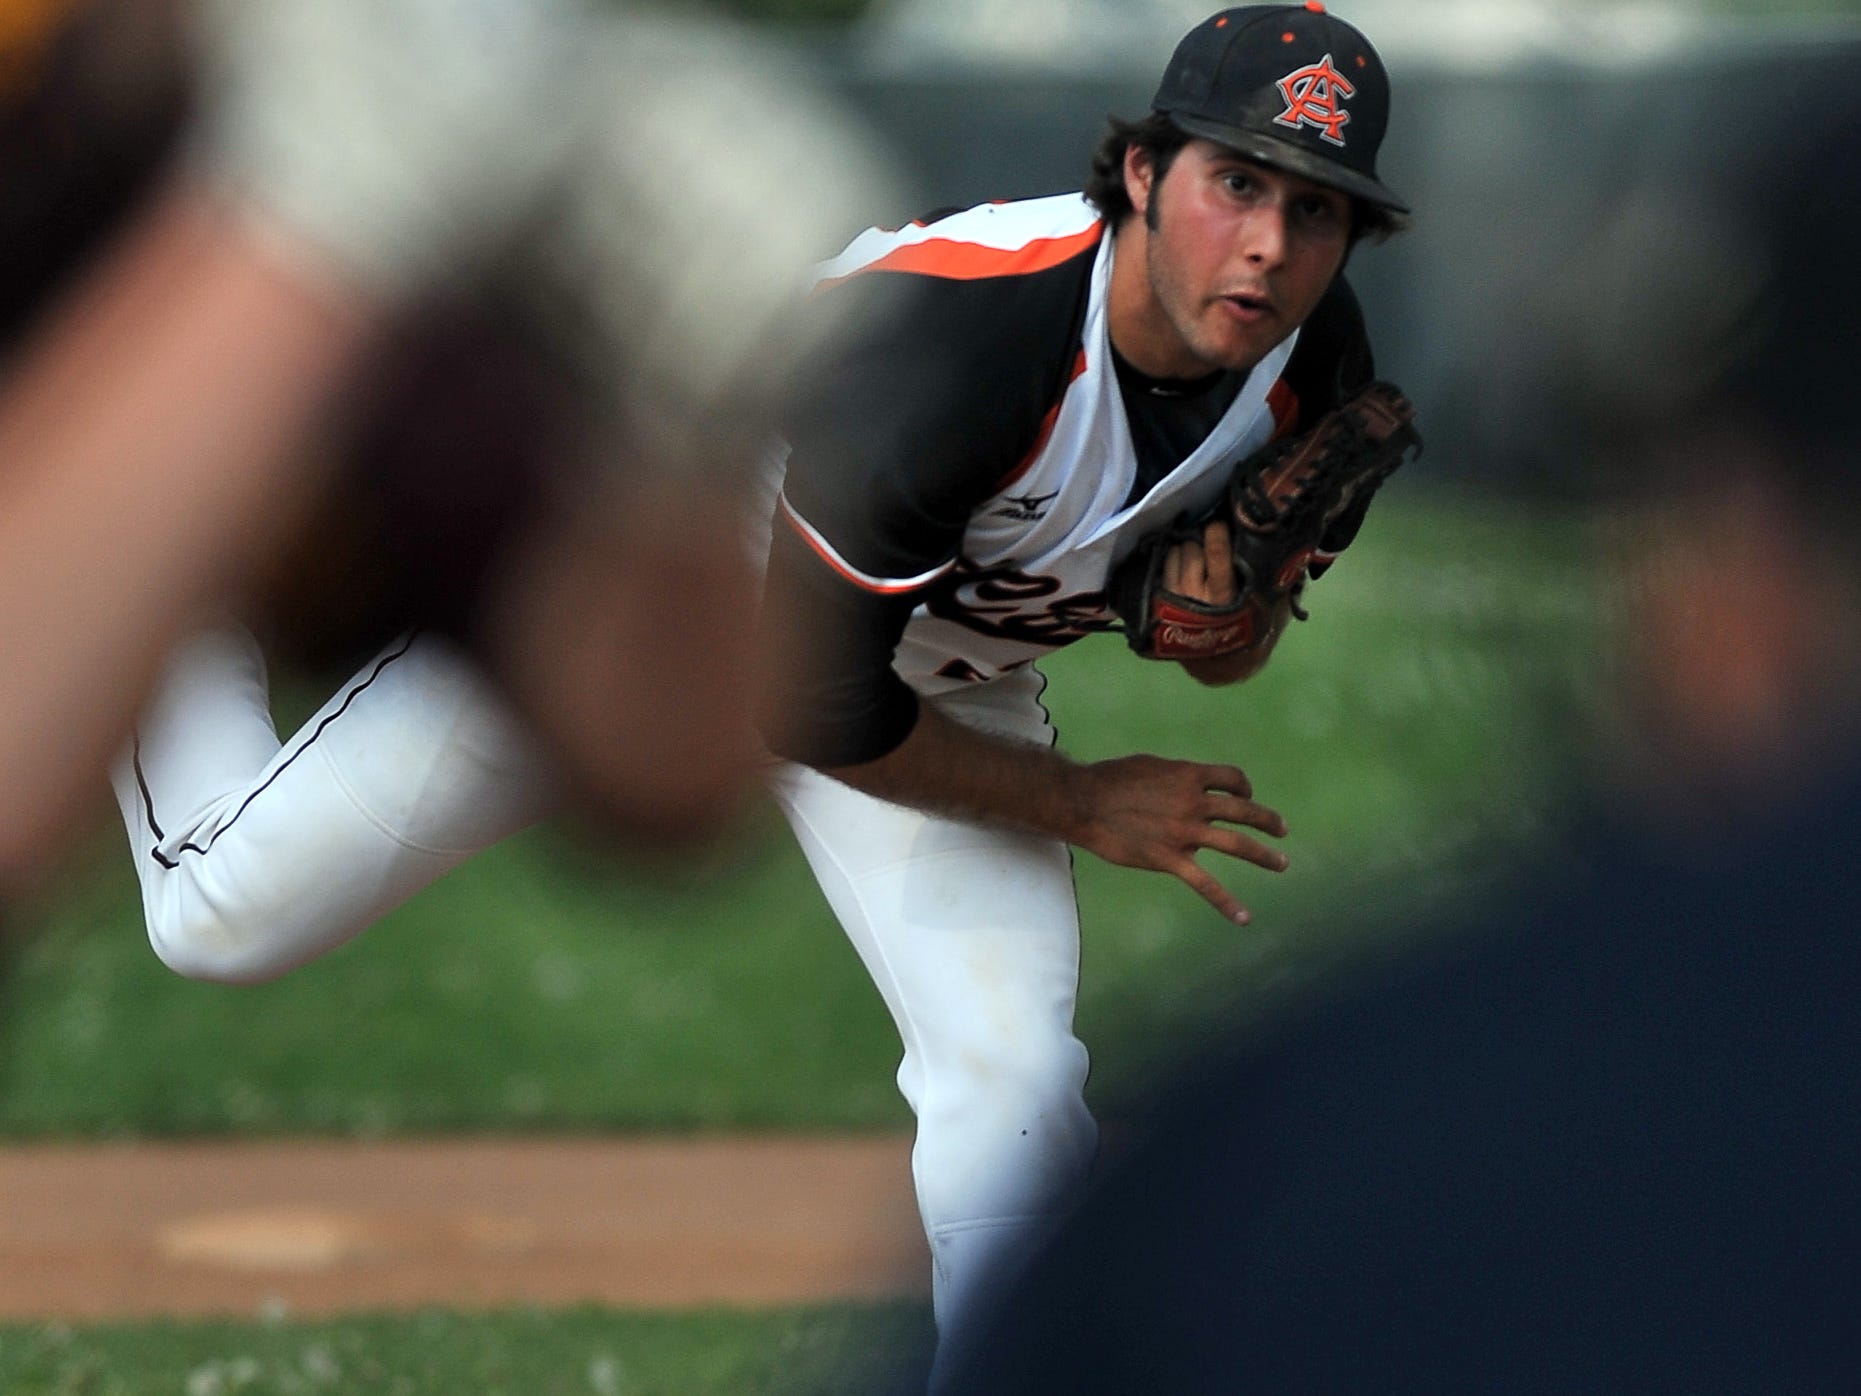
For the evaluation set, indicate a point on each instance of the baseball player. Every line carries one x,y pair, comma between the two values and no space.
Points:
1037,386
1118,353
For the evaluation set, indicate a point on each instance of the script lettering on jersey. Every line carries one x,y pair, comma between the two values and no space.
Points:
1313,94
1014,605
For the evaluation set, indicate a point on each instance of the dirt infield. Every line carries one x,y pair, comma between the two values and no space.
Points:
316,1227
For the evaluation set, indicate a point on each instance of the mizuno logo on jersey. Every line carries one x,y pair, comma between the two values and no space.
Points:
1025,508
1313,95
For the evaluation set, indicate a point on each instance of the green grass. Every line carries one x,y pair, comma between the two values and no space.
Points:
1415,734
573,1352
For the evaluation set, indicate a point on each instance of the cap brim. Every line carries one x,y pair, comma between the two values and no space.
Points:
1295,159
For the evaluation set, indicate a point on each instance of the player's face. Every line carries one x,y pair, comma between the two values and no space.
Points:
1226,258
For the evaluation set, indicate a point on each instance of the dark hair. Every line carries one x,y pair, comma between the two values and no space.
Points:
1105,189
1164,140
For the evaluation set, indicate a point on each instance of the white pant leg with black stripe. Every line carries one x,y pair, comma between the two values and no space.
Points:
971,934
255,856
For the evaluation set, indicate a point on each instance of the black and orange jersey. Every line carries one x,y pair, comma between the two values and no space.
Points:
973,463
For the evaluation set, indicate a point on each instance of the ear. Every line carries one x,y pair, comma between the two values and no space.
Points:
1140,170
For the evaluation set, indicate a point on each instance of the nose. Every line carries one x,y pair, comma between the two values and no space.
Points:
1263,236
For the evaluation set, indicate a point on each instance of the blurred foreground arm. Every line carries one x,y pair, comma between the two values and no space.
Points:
348,155
148,464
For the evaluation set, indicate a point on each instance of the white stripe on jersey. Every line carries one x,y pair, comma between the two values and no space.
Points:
1003,227
831,556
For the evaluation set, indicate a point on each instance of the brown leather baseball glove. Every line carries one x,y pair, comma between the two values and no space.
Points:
1293,506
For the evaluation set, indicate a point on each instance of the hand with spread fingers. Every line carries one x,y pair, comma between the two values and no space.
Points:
1156,814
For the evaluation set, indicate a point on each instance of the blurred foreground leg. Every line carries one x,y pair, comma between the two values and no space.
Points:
256,857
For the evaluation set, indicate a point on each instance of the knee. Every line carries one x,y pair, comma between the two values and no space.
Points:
1025,1082
1016,1043
199,942
1006,1139
1050,1073
201,958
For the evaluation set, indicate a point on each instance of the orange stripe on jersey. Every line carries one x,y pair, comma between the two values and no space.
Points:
821,548
969,261
1283,402
1046,429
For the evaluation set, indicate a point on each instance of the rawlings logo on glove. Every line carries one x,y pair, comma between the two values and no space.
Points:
1292,507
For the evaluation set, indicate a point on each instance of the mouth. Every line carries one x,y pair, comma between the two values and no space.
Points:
1248,305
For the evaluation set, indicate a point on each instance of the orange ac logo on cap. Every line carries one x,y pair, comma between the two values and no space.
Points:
1312,96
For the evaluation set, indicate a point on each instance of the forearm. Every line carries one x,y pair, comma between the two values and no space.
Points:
948,769
1136,811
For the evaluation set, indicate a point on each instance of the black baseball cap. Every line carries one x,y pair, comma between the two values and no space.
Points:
1290,86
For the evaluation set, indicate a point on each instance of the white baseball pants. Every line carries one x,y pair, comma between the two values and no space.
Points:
971,934
256,856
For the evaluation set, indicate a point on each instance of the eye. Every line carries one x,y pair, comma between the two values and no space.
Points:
1238,182
1320,211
